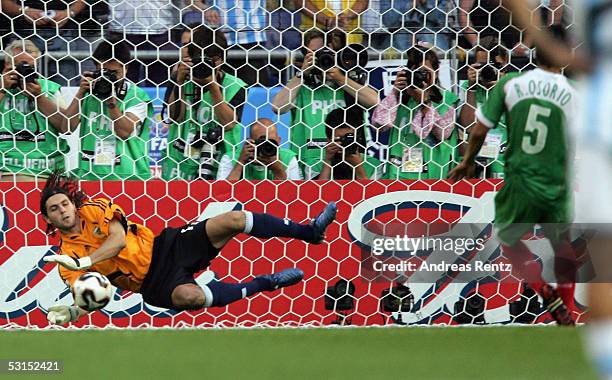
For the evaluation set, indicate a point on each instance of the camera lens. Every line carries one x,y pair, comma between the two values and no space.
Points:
325,59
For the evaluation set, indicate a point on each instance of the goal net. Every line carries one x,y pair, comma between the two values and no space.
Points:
179,155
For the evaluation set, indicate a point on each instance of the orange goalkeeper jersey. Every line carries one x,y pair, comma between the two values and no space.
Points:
127,270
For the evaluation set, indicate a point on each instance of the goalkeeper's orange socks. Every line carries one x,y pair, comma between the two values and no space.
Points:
267,226
220,294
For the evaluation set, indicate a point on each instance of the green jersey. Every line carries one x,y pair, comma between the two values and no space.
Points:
307,134
104,154
537,105
29,144
187,149
495,145
411,157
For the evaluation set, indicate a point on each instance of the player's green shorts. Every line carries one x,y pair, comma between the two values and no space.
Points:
516,213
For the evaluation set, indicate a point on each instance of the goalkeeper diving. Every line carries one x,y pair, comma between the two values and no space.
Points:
96,236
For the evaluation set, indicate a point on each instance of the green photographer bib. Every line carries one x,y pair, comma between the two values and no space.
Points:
29,144
411,157
183,158
494,146
307,135
103,154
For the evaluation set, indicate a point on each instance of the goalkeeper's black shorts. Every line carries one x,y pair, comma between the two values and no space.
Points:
178,253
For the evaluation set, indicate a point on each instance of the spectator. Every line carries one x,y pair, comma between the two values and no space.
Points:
418,21
490,61
345,156
59,26
482,18
114,115
147,25
205,109
313,93
422,120
282,35
284,18
330,14
261,157
244,24
31,116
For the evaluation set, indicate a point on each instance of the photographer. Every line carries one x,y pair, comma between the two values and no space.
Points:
31,117
421,116
114,115
345,156
332,76
490,60
205,108
261,157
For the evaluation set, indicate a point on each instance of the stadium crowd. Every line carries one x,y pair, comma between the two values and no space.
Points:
207,55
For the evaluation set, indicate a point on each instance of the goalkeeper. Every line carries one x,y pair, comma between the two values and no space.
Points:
96,236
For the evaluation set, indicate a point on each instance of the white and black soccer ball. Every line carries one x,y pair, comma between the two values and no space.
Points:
92,291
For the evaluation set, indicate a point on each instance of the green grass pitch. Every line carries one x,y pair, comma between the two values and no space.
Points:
341,353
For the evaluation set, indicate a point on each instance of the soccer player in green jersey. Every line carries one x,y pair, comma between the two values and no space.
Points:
537,105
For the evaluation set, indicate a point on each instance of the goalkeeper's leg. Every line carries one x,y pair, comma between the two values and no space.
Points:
223,228
216,293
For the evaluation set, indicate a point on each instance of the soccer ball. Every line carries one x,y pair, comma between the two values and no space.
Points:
92,291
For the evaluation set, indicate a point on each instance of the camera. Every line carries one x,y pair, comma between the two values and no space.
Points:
202,67
105,80
27,73
325,59
489,72
397,299
266,147
212,136
348,142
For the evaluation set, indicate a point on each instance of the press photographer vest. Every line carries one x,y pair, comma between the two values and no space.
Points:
307,135
411,157
29,144
494,166
182,161
130,160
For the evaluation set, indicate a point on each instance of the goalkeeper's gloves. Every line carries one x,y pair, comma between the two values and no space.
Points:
69,262
62,314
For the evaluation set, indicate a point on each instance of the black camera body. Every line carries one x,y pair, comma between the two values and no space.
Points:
340,296
212,136
266,147
348,142
27,72
397,299
202,66
490,71
105,81
352,59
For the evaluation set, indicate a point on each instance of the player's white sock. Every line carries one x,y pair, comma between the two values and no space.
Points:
599,341
248,222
